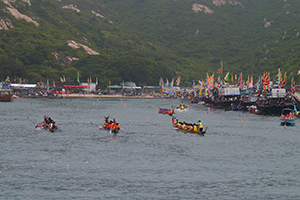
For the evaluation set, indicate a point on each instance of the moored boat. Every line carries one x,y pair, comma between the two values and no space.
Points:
6,92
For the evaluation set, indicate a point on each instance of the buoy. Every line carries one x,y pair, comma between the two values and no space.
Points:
24,105
94,104
30,103
189,106
45,99
97,100
208,110
148,119
124,104
91,120
242,121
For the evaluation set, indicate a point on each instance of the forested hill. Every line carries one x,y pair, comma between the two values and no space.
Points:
142,41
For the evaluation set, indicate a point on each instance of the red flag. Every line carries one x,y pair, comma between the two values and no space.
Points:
240,79
54,84
221,69
109,82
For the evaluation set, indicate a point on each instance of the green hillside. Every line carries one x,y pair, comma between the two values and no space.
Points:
142,41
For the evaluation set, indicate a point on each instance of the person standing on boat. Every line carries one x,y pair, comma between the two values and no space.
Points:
200,126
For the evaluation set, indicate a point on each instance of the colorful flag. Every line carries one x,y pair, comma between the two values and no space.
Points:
201,88
167,82
226,78
172,82
258,84
61,79
298,72
241,78
109,82
221,69
251,83
90,79
292,82
284,81
161,81
64,79
247,82
267,80
54,84
78,77
178,81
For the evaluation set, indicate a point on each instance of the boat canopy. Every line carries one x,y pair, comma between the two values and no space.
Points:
277,93
17,85
230,91
76,86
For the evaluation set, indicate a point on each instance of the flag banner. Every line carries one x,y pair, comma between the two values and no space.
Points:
178,81
172,82
226,78
284,81
109,82
161,81
221,69
167,82
78,77
54,84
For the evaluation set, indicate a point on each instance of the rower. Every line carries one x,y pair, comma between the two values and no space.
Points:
195,128
200,126
106,123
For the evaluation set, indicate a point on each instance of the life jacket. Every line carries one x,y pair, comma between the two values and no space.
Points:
195,128
200,125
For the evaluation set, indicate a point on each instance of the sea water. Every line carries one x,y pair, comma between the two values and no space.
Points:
242,156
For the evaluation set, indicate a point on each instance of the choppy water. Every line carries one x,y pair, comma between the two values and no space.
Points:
258,159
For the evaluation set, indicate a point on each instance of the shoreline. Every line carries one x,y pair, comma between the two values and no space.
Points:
102,96
77,95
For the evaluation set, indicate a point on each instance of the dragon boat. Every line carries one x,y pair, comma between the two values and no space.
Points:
166,111
188,128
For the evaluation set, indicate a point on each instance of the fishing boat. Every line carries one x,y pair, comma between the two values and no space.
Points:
287,117
6,92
